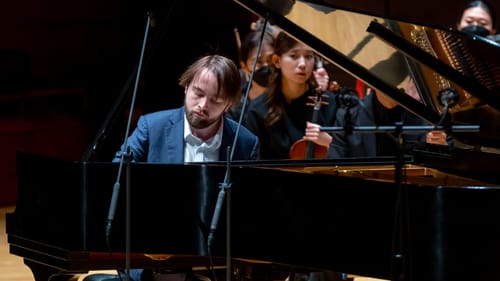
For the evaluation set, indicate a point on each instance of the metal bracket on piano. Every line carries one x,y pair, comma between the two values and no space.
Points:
408,128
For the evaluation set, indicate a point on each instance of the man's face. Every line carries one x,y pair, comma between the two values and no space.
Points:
204,105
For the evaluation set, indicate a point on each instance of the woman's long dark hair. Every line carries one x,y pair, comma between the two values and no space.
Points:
252,41
275,99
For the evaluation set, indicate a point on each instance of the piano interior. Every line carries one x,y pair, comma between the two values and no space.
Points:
413,174
341,214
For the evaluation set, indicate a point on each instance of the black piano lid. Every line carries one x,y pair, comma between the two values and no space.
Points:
486,50
350,58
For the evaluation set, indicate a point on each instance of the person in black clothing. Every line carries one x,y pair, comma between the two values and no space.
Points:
376,109
248,55
282,115
198,131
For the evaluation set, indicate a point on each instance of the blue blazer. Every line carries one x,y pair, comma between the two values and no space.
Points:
159,137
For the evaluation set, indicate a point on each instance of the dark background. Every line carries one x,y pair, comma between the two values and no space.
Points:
65,65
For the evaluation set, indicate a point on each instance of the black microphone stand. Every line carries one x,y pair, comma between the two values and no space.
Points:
347,98
448,98
400,253
225,187
126,157
399,262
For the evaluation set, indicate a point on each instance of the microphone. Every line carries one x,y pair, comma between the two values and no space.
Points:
448,97
224,187
152,21
347,97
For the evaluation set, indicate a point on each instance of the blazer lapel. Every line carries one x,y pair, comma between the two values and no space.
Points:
175,137
227,140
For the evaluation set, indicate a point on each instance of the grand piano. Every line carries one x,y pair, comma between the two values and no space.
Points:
430,215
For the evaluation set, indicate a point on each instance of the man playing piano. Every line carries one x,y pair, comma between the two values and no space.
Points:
195,132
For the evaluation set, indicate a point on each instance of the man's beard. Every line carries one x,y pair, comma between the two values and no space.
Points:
198,123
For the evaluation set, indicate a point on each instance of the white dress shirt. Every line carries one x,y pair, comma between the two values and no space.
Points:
197,150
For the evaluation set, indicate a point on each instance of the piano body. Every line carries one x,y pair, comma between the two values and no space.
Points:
339,217
347,215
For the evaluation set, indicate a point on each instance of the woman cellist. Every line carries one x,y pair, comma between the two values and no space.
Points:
283,115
